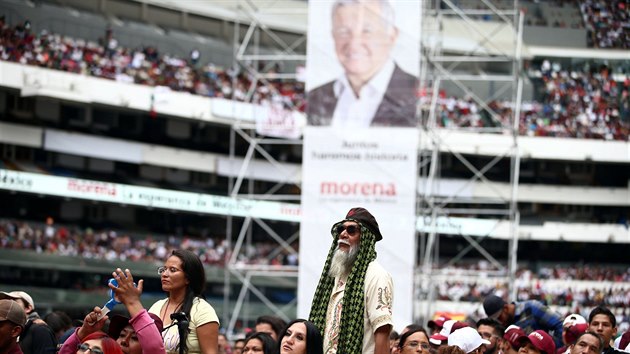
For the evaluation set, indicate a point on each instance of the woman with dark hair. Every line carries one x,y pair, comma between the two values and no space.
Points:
413,341
59,322
184,279
259,342
300,337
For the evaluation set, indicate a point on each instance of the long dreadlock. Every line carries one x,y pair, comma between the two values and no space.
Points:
351,326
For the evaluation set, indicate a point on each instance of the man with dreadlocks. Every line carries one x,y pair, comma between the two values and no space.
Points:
352,305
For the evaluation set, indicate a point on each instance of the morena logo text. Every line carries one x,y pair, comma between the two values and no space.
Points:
358,188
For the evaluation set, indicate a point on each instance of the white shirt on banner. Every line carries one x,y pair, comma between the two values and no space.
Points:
358,112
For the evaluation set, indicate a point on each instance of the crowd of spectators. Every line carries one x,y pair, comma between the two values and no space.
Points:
113,245
541,271
586,272
607,284
586,103
542,284
66,240
549,293
145,66
607,23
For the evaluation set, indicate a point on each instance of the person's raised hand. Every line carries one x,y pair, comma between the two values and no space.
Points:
92,323
126,292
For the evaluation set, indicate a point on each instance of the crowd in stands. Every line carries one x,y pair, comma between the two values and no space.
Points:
145,66
112,245
542,282
586,103
583,272
607,23
548,293
214,251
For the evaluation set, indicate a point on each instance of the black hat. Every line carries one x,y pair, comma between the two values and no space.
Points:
493,305
362,216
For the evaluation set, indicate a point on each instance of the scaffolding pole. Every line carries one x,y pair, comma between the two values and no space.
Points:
441,70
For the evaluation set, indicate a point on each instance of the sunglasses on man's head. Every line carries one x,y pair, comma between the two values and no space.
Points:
352,230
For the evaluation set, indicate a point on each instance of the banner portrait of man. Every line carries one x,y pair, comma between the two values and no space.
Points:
370,87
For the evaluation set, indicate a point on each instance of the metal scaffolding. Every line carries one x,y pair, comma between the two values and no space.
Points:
443,66
490,55
257,50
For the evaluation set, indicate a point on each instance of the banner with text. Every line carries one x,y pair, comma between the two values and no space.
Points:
374,168
360,143
146,196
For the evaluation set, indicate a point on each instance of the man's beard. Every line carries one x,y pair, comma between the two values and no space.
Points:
341,263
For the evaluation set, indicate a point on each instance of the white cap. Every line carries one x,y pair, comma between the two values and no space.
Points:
467,338
573,319
443,334
14,295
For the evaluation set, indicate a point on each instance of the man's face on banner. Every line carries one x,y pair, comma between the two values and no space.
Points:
363,39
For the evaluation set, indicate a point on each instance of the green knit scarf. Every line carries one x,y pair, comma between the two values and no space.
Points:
351,326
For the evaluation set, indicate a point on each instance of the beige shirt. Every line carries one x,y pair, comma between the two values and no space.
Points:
378,308
200,313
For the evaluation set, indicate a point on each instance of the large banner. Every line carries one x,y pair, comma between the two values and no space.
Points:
361,142
372,168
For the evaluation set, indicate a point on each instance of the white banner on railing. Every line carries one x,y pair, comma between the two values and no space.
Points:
273,119
146,196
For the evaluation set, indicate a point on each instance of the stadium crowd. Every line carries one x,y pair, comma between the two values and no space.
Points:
112,245
499,326
550,293
586,102
581,272
607,23
549,284
528,324
144,66
582,103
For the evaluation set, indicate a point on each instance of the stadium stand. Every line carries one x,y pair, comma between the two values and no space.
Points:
606,23
600,110
113,245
